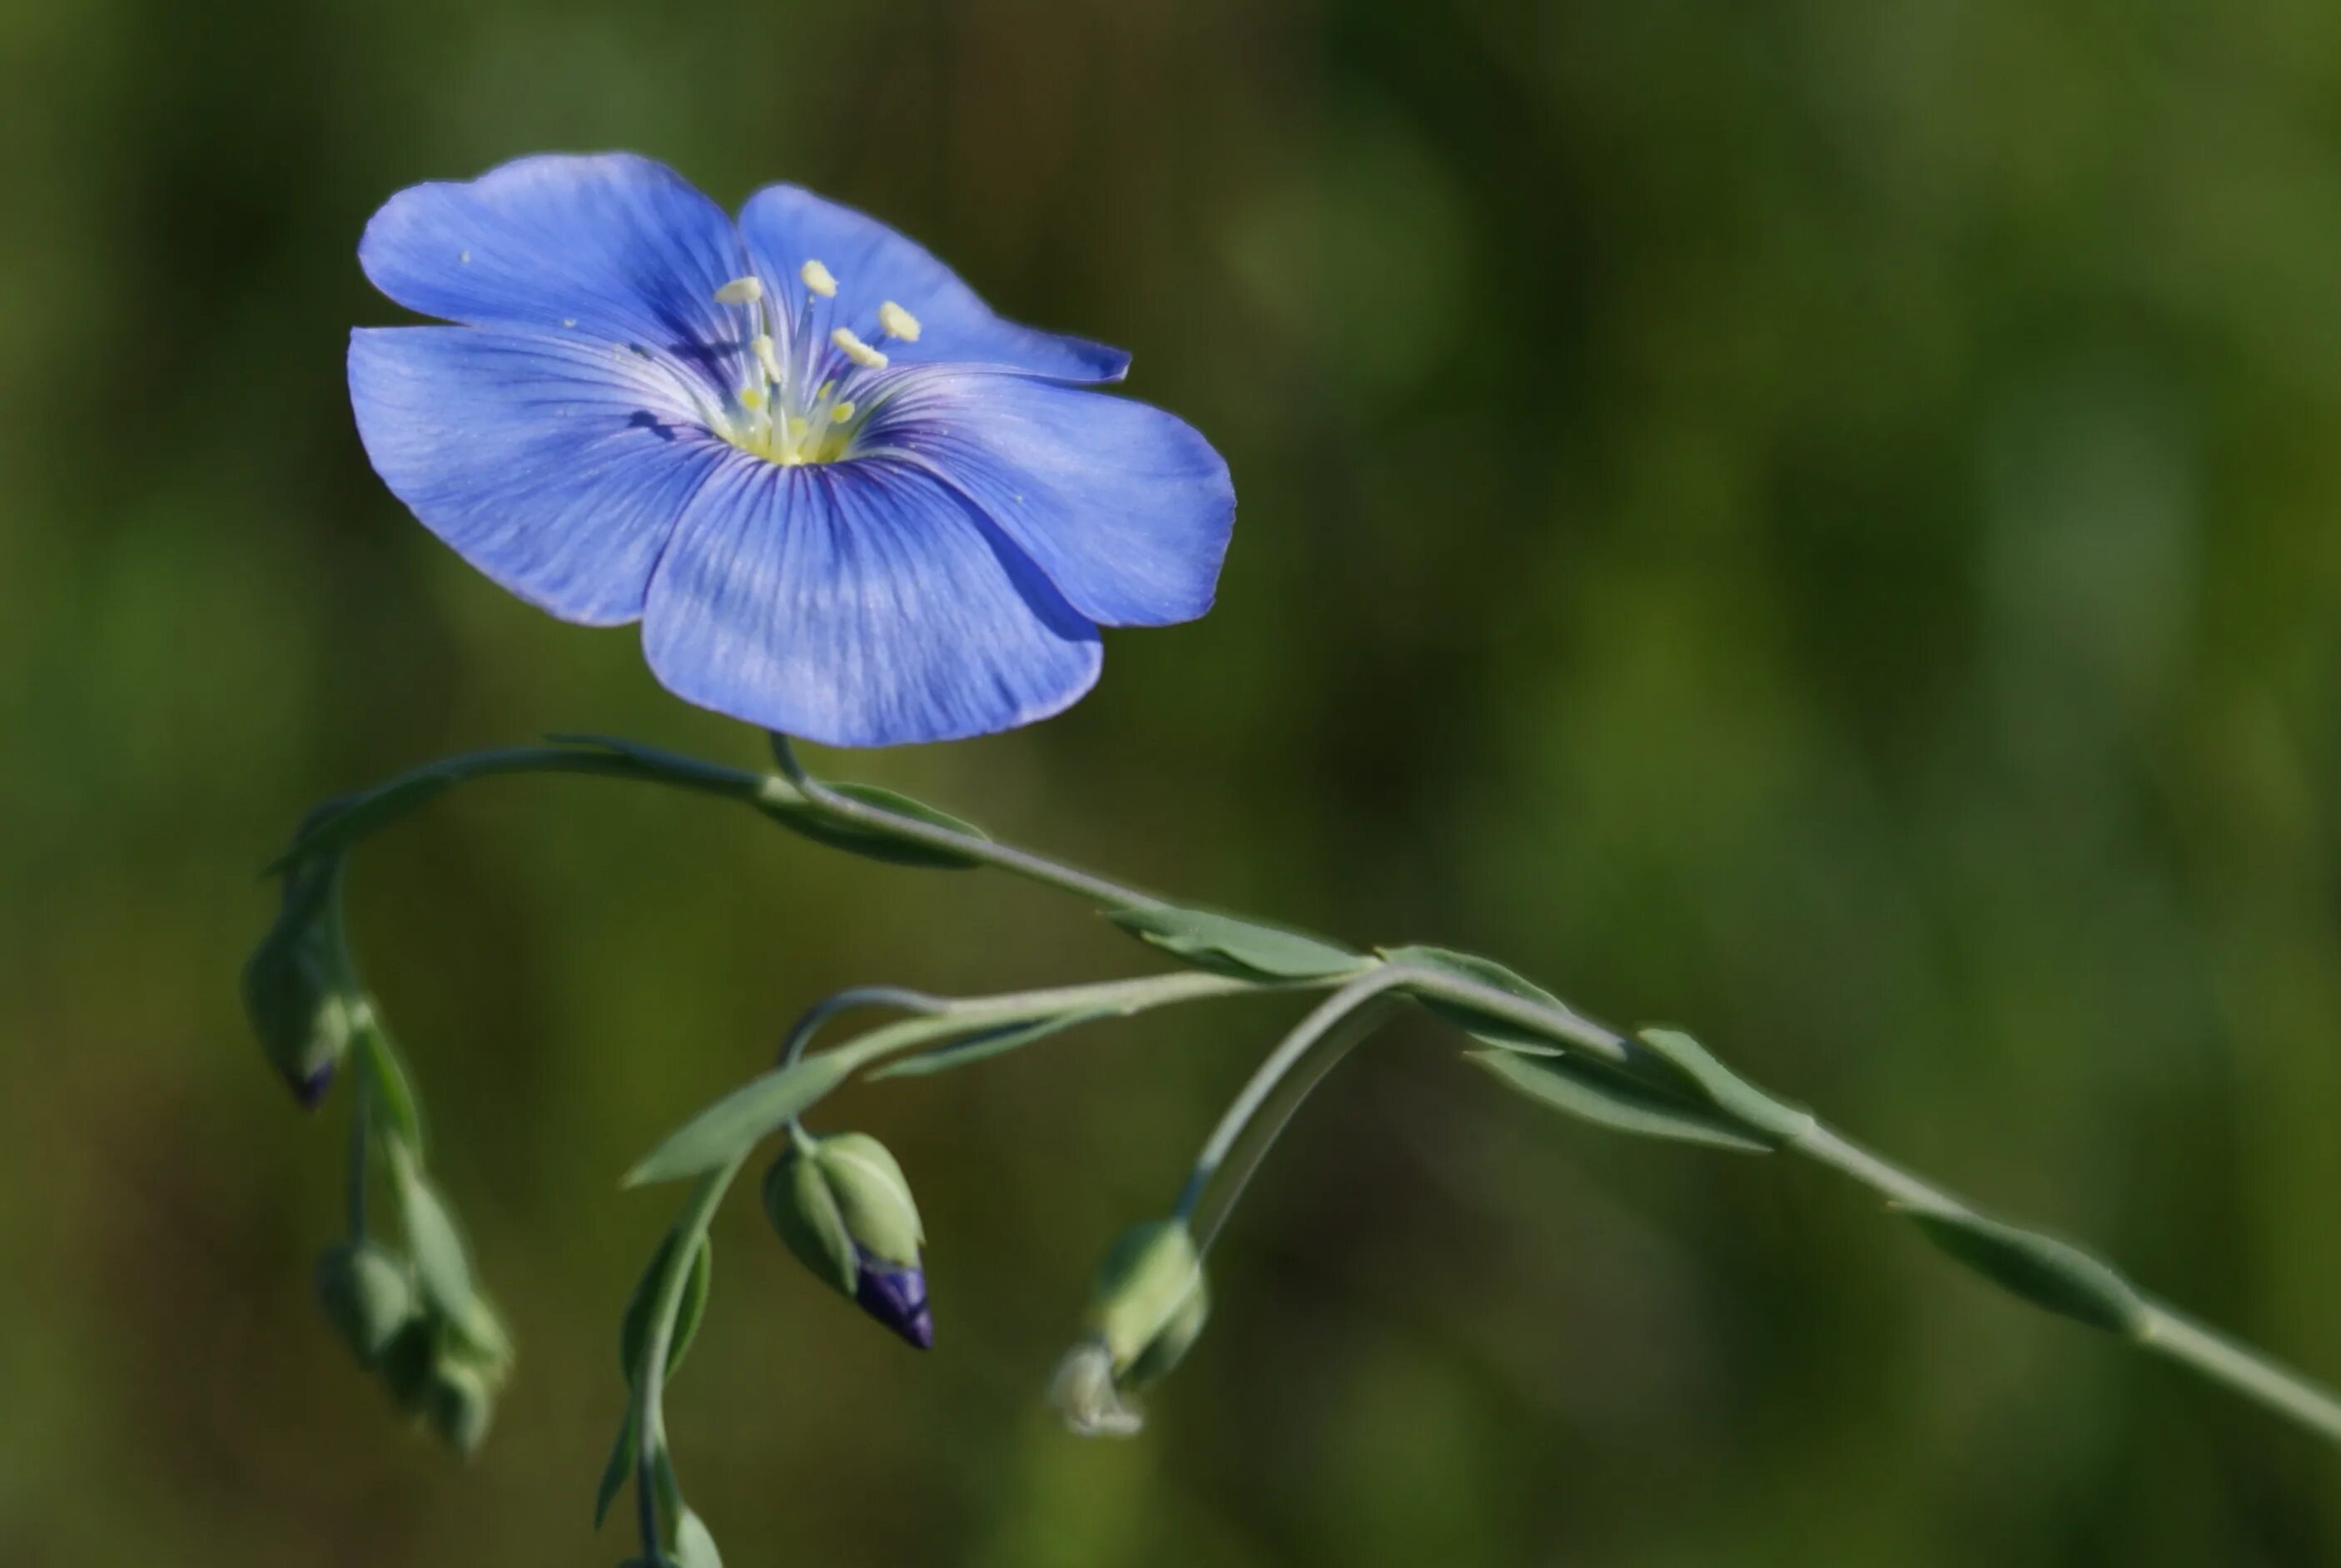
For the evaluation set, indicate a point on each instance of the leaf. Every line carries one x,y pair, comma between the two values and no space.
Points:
1496,1031
431,1235
2054,1276
1225,945
399,1112
1775,1120
989,1043
695,1547
730,1127
616,1471
807,819
633,1332
1614,1099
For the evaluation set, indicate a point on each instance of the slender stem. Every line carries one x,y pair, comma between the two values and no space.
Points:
2166,1331
650,1377
2169,1332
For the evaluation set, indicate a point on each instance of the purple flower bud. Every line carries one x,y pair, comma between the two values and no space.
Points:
310,1090
896,1296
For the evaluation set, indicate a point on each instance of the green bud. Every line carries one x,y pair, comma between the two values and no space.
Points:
298,991
460,1407
366,1296
1149,1292
841,1206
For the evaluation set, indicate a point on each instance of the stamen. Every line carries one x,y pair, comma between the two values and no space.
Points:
766,357
898,322
752,397
841,412
744,291
854,349
816,278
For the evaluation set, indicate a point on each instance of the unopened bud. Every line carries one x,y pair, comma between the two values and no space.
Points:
366,1296
1150,1300
841,1206
460,1407
304,1003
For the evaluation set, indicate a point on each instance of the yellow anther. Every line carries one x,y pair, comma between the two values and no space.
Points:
898,321
744,291
854,349
841,413
816,278
752,397
765,357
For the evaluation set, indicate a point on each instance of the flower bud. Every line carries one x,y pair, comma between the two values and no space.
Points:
366,1296
841,1206
1149,1301
1147,1308
460,1407
298,991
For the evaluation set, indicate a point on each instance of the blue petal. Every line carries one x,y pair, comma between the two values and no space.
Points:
787,226
1126,507
858,603
610,246
557,468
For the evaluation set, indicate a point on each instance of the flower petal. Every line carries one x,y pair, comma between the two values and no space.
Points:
787,226
1126,507
557,468
608,245
858,603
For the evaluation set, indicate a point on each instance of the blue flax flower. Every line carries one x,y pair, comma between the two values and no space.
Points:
844,498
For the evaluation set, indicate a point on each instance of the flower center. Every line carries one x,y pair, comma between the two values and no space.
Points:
798,405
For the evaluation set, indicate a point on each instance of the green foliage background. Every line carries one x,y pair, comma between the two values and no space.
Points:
1813,521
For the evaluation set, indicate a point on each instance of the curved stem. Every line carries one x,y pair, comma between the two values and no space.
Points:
649,1376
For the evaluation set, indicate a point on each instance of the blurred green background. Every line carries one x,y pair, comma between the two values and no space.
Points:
1813,521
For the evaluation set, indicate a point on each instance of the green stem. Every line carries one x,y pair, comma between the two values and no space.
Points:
2167,1332
649,1376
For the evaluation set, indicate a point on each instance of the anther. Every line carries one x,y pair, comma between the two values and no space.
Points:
816,278
841,412
898,322
854,349
744,291
767,358
752,397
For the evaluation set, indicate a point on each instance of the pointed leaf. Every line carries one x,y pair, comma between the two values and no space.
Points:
989,1043
1225,945
615,1473
1616,1100
806,817
733,1125
633,1332
1776,1121
432,1238
2052,1275
395,1105
1484,1026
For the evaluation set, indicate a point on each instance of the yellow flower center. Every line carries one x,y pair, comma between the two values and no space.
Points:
796,406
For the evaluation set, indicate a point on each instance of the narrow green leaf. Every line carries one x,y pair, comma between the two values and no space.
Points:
1775,1120
2052,1275
440,1261
730,1127
1471,1020
1225,945
396,1109
1614,1099
634,1331
803,817
989,1043
695,1547
616,1472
